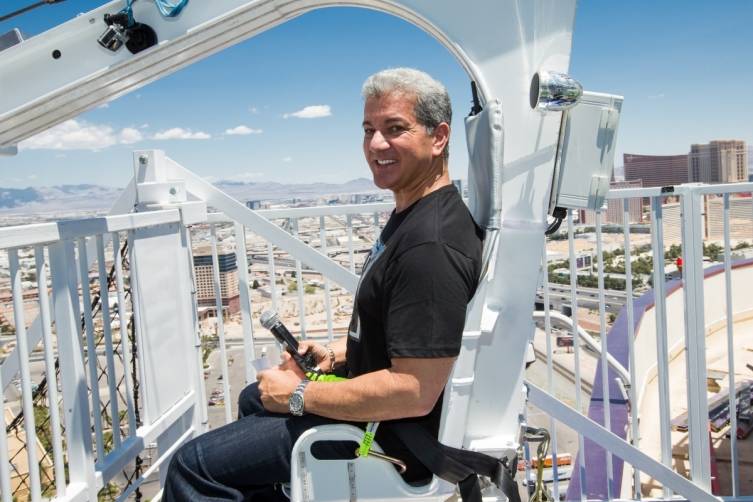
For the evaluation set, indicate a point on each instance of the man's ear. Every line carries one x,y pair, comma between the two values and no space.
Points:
441,137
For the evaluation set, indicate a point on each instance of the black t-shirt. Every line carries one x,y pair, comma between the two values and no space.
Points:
413,295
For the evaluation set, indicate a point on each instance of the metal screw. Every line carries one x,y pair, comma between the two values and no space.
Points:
143,159
173,191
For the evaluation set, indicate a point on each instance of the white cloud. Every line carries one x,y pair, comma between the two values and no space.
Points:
144,126
32,176
254,110
104,105
242,130
73,135
129,135
180,133
656,96
310,112
287,159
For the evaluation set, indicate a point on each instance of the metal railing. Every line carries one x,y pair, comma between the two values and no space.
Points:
74,447
99,445
665,335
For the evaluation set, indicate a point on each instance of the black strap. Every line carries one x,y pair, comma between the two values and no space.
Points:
461,467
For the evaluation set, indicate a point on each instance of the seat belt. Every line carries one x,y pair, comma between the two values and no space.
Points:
461,467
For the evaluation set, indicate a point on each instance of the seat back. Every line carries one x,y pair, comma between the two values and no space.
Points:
485,139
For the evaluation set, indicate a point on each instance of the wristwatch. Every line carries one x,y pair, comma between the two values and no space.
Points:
295,403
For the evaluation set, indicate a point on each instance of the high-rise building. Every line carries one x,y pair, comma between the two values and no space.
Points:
722,161
616,209
656,170
202,265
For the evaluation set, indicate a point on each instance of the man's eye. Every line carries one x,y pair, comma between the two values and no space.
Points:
395,129
368,132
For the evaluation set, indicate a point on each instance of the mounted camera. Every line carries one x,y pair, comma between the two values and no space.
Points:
121,29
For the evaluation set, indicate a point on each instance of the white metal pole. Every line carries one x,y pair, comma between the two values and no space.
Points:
695,339
241,259
604,351
731,354
91,350
220,326
629,308
662,350
26,395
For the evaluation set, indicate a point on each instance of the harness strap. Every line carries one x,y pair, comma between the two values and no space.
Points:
458,466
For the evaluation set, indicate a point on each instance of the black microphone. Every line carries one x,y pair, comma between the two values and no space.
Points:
271,321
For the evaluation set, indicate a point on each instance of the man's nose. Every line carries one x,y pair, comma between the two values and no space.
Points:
378,142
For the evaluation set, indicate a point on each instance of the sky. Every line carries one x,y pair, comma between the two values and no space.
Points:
285,106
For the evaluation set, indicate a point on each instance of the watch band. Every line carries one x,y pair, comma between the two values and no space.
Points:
295,402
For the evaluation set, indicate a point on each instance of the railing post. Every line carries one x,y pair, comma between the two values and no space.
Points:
695,338
241,260
72,373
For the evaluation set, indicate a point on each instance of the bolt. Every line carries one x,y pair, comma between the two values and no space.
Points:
173,191
143,159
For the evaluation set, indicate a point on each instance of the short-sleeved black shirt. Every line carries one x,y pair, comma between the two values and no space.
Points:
413,295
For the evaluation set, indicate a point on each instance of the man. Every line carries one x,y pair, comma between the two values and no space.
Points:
407,322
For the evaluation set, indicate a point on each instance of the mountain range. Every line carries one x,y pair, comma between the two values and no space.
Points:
96,197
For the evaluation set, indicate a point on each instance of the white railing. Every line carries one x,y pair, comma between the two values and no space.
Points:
649,336
260,242
59,257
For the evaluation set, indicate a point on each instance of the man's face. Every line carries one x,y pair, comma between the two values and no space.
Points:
398,149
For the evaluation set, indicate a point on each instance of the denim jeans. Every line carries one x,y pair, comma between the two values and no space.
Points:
243,460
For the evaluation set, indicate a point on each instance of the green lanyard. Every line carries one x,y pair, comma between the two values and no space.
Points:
368,439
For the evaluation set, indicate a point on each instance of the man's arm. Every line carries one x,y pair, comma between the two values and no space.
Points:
410,388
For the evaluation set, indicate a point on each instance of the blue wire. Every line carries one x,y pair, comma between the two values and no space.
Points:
165,7
169,9
128,9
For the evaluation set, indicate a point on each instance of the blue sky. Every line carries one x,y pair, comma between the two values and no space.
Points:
683,67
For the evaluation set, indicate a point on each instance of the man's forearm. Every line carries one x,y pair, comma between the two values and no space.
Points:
409,389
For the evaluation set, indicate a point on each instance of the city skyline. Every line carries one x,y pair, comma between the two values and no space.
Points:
290,108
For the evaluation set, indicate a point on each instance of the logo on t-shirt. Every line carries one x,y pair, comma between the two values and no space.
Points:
354,330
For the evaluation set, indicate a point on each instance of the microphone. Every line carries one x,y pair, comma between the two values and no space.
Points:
270,320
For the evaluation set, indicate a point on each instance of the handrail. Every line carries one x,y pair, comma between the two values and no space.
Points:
41,233
623,373
310,212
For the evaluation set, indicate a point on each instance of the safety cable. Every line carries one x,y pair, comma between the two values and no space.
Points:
28,8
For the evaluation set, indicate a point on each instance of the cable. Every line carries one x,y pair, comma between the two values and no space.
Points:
169,9
28,8
559,214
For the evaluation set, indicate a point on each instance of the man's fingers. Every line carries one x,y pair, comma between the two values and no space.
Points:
304,347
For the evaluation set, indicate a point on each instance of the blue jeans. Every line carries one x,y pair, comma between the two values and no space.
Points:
243,460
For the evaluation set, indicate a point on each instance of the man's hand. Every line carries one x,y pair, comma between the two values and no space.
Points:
276,386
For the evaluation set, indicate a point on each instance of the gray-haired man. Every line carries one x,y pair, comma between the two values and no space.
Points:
407,319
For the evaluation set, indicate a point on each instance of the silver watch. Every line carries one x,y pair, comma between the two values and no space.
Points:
295,403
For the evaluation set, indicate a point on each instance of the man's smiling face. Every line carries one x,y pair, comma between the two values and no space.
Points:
398,149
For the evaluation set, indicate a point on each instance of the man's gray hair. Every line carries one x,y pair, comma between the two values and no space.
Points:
432,101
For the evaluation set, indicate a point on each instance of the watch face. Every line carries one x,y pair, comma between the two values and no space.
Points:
296,404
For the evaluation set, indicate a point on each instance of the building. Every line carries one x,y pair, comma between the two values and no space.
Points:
721,161
656,170
740,218
615,208
202,265
253,204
